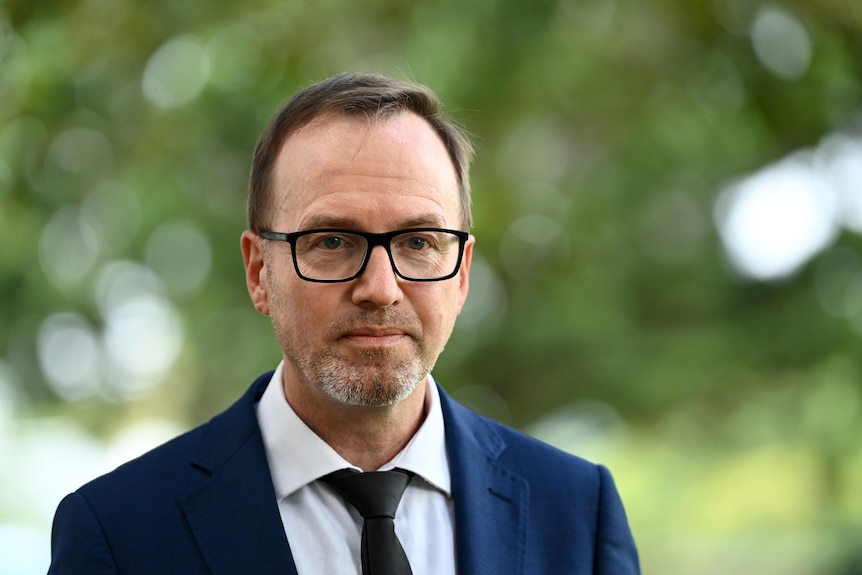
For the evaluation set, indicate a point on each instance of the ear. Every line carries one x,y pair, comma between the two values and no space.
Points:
255,270
464,272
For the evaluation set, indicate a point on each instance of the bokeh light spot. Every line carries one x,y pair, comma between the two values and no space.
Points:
81,151
143,333
179,252
772,222
775,220
68,248
781,42
176,74
70,356
142,338
588,428
119,280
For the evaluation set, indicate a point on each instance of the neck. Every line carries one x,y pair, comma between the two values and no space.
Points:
367,437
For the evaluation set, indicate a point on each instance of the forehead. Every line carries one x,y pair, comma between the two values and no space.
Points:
375,174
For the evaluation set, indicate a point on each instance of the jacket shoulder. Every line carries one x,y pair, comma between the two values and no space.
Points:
178,464
513,448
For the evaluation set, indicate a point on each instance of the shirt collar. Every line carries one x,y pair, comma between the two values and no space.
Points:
297,456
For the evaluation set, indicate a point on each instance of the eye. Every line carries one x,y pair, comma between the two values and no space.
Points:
332,242
417,243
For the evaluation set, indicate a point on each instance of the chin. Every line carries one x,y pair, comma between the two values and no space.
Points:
371,388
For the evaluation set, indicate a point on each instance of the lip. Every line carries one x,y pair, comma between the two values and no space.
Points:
375,336
374,332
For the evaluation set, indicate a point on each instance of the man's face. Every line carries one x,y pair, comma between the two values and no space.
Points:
372,340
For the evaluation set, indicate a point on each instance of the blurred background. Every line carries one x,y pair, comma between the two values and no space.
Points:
668,204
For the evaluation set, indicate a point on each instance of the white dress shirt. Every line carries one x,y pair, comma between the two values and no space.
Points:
322,529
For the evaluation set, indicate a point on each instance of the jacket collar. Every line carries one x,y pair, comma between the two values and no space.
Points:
239,530
490,500
233,515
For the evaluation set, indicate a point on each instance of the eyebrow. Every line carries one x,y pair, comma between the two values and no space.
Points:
327,221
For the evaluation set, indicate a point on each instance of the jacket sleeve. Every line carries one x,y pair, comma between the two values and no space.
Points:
615,552
78,543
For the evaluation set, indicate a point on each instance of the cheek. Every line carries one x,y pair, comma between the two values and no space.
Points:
304,310
282,296
438,311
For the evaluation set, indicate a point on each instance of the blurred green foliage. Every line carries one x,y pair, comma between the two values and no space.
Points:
605,131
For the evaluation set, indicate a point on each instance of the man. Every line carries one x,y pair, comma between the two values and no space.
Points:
358,249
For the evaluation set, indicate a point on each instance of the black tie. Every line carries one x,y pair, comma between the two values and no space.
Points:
376,494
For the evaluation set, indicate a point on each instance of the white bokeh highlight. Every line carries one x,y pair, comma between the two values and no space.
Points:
143,333
176,73
70,356
774,221
781,42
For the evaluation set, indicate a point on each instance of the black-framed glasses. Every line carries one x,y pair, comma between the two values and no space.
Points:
335,255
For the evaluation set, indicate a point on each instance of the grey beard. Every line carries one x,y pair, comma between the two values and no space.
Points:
365,386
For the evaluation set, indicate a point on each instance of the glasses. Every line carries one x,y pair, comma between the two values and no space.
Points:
334,255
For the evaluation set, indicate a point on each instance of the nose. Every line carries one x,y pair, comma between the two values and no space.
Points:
378,283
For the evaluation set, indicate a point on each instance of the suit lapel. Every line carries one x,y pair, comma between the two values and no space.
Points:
234,515
235,519
491,502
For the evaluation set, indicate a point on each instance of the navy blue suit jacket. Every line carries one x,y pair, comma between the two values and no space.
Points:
204,503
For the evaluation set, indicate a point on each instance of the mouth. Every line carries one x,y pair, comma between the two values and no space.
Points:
375,336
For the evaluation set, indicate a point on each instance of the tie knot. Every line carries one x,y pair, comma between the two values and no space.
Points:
373,493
